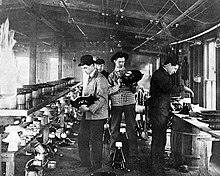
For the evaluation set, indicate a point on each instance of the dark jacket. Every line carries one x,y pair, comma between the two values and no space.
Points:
161,88
105,73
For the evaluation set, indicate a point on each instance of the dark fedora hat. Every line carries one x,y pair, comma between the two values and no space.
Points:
118,55
100,61
171,59
86,60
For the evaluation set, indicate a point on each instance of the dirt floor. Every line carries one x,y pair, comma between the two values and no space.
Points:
67,163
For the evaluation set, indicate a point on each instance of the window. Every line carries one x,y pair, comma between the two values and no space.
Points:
23,70
53,69
210,75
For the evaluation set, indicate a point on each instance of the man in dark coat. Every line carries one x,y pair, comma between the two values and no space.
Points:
100,65
161,88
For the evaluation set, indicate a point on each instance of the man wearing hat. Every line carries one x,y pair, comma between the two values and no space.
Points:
122,101
100,64
161,88
92,123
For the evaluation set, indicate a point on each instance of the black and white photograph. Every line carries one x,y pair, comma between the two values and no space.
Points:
109,88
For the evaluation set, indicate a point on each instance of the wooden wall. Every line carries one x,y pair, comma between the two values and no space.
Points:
218,78
196,63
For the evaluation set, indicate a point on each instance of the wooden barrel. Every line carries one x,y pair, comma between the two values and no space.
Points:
188,144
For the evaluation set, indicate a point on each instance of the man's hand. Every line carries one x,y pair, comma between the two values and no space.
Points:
84,108
189,90
116,88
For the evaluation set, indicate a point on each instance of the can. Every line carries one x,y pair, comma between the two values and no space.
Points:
51,164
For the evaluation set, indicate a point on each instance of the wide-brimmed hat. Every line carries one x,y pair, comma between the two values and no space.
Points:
86,60
118,55
100,61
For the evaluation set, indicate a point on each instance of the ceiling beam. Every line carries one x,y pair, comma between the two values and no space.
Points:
88,7
33,7
109,27
95,24
9,7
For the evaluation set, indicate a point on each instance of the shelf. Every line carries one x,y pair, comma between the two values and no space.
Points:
46,101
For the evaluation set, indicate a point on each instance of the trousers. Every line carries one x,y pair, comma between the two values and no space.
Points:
159,120
91,133
116,118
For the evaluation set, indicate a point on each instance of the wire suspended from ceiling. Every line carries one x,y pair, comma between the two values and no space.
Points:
155,17
156,24
71,19
158,20
192,18
173,22
163,24
187,40
119,14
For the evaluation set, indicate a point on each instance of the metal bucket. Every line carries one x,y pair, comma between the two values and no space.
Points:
32,170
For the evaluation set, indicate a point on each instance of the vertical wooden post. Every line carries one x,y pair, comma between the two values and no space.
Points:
217,80
60,63
33,49
0,154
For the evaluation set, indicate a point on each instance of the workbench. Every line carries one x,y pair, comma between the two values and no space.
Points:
191,142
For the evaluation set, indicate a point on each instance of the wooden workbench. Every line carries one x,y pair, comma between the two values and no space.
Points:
198,124
191,142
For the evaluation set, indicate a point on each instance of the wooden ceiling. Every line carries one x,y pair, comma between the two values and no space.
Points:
133,25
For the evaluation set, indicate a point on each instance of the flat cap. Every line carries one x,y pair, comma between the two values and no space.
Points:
100,61
86,60
119,54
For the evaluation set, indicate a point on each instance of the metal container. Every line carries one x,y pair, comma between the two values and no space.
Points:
39,148
51,164
21,98
33,170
